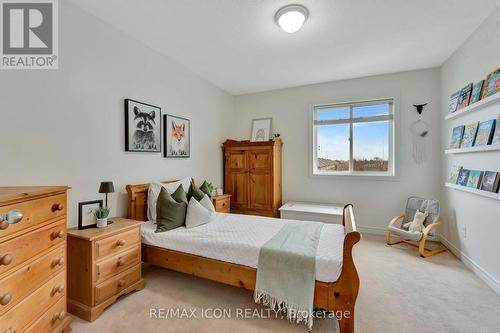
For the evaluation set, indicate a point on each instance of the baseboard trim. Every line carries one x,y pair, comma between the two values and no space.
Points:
473,266
371,230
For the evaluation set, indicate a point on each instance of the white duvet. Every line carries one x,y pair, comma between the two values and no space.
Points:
238,238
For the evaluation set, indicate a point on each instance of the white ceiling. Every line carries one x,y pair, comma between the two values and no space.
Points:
236,45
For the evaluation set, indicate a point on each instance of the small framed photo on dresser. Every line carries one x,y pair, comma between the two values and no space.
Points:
86,217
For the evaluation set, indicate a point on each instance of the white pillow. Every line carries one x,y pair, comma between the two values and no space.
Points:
197,214
207,203
154,192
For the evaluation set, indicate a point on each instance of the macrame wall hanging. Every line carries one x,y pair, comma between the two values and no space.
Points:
419,130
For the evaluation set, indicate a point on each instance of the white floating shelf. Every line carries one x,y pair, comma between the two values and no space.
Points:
487,194
475,107
472,149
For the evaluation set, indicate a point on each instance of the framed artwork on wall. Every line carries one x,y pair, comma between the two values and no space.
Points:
142,127
261,129
86,217
176,137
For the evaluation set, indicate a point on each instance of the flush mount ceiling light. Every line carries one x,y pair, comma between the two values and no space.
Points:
291,18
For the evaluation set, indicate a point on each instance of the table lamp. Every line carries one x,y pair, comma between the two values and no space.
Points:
107,187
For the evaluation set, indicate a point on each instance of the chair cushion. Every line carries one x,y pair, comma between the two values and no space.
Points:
405,233
415,203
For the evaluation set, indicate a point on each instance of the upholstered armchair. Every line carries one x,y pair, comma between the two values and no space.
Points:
416,239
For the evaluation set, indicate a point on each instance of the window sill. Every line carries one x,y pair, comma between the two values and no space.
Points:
388,178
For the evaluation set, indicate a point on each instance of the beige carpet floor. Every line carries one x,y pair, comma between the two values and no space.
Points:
400,292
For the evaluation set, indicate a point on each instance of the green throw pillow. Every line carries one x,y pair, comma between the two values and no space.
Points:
196,192
180,195
170,214
205,188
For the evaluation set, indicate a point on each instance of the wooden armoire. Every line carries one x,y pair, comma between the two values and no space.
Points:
252,175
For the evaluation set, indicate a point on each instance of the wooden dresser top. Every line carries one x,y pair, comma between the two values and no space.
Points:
119,225
20,193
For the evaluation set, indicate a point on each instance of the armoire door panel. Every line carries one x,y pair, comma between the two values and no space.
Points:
260,191
237,185
236,160
261,160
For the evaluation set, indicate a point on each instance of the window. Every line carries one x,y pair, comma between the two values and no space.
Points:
354,139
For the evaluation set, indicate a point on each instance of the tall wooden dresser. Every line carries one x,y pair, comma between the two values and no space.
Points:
33,260
252,175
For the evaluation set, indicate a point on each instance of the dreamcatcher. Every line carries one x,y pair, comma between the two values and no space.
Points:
419,130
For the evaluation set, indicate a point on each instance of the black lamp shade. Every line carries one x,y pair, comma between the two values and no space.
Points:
106,187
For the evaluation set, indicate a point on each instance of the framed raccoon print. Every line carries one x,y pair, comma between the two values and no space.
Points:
177,137
142,127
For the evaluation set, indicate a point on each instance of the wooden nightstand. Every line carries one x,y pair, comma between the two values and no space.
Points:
222,203
103,264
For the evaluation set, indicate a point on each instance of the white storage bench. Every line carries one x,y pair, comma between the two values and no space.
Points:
309,211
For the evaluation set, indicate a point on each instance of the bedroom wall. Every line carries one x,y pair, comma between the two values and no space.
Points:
472,222
376,201
67,126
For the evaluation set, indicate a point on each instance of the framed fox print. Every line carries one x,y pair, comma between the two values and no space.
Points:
142,127
177,137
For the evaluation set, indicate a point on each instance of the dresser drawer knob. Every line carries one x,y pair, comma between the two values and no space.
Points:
121,283
57,207
58,289
120,242
58,262
12,217
120,262
59,316
58,234
10,330
5,299
6,259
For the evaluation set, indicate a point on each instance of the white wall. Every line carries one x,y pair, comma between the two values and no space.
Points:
67,126
472,222
376,201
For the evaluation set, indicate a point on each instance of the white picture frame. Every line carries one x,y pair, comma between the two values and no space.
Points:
261,129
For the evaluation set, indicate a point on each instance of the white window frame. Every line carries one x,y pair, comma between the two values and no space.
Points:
392,117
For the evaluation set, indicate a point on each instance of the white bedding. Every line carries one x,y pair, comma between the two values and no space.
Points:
238,238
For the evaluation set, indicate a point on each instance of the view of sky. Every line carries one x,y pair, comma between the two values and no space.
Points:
370,139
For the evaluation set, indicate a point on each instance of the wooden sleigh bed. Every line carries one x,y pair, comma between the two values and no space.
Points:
338,297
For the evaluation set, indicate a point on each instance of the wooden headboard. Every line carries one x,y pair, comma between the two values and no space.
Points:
138,200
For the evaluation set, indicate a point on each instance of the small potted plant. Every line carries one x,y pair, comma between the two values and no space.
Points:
101,214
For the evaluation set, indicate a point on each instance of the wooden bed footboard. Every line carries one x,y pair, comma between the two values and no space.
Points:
338,297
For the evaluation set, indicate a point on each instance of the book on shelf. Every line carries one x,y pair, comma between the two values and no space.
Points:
454,172
477,90
490,181
452,107
485,132
475,177
464,98
496,136
456,137
492,84
469,135
463,177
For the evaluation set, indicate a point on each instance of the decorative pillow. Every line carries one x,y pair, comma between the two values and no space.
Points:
180,195
197,214
170,214
207,203
196,192
206,188
154,191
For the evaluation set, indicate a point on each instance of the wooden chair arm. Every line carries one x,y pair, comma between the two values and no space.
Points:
427,229
394,220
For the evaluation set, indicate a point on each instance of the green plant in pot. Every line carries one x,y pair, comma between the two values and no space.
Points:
101,214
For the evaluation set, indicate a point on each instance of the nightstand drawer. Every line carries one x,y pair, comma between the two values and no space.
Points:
118,263
21,282
16,251
30,308
116,243
35,213
117,283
